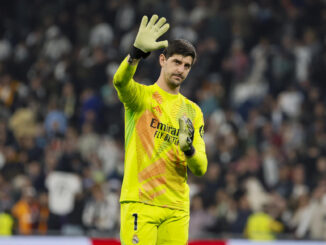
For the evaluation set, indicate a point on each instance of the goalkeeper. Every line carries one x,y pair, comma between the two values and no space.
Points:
163,137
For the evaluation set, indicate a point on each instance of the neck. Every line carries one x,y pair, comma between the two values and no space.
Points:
163,84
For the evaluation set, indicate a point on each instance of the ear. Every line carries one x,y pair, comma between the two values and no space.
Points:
162,59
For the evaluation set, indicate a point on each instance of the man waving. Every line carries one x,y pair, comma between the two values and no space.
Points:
163,137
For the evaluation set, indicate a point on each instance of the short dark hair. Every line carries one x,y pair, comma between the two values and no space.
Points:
180,46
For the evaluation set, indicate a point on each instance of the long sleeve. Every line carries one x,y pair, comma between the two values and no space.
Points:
130,93
197,163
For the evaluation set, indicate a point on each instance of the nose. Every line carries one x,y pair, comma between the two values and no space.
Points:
180,69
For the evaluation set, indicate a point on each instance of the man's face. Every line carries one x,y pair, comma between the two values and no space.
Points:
175,69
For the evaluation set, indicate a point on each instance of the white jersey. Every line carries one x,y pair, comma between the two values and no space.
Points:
62,190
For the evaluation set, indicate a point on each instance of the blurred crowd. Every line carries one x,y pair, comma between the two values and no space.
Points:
259,80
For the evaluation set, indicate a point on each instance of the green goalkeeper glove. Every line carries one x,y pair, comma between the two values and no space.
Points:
147,35
186,136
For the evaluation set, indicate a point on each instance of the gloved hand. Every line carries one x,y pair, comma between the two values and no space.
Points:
147,35
186,136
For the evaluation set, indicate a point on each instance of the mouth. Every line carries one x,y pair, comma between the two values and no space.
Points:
177,76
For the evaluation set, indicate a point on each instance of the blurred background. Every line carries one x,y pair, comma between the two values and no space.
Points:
259,81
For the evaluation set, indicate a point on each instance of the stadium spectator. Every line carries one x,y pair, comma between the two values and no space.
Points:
25,211
201,219
101,212
63,187
6,223
262,226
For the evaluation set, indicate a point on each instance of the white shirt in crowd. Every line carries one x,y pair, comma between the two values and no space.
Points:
62,190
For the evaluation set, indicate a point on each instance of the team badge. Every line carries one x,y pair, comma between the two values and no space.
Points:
135,239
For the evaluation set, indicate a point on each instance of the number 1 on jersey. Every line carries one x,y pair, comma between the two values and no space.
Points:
135,222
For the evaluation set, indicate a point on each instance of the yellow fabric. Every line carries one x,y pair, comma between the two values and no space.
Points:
153,225
6,224
261,226
155,170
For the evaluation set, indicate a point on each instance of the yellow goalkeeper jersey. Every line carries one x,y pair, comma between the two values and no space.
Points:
155,170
